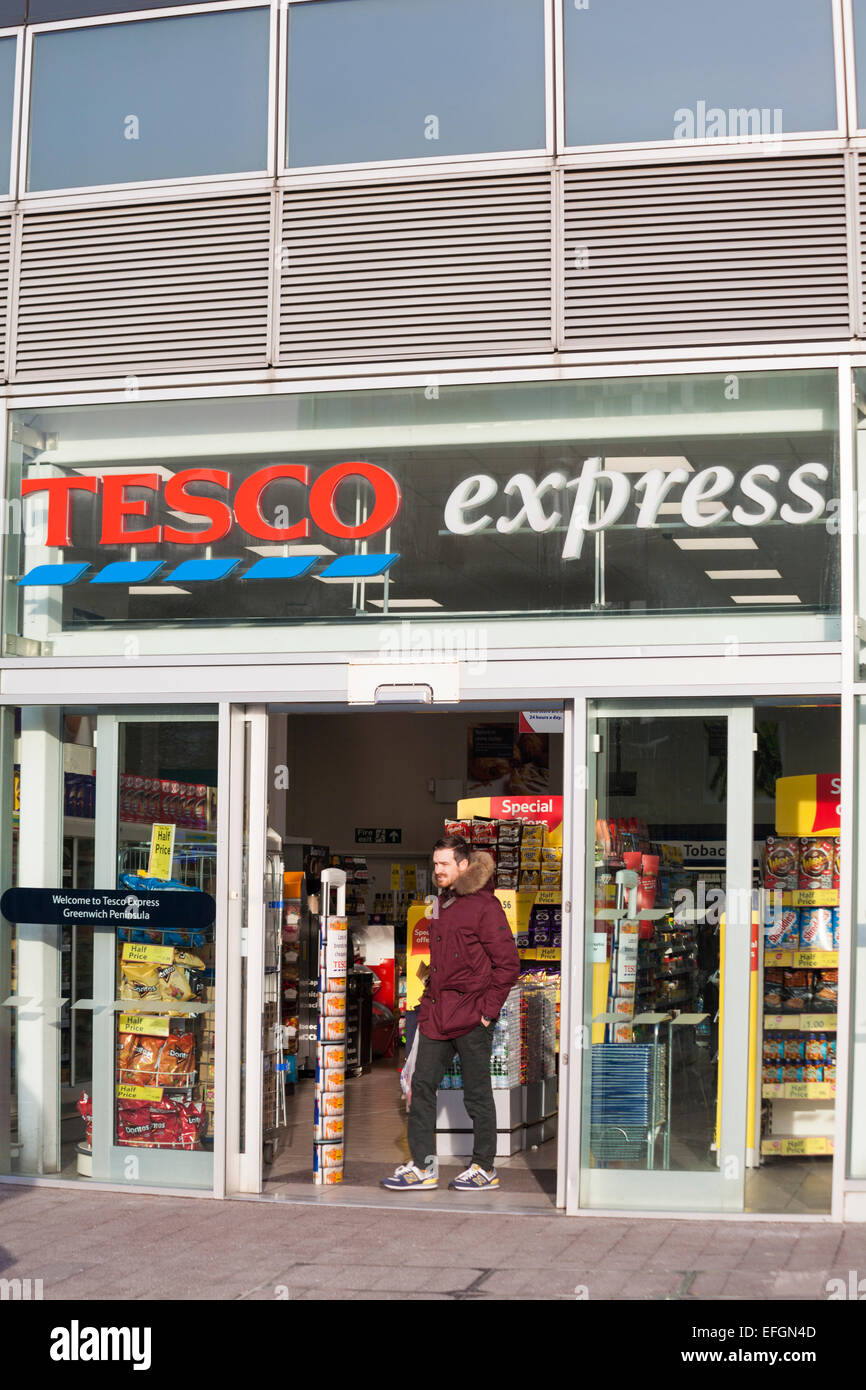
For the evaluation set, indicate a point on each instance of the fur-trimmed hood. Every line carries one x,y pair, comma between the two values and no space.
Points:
477,876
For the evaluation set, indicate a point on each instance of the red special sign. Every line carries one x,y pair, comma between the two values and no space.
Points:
828,809
544,808
246,508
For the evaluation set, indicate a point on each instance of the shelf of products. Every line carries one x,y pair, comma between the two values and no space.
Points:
800,994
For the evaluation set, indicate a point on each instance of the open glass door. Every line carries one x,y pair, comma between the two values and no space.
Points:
249,893
664,1092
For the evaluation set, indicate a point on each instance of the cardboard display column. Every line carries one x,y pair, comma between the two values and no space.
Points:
328,1146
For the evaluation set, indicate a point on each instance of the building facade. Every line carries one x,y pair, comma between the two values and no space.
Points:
580,288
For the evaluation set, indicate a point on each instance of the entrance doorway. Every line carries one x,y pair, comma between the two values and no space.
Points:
369,793
711,956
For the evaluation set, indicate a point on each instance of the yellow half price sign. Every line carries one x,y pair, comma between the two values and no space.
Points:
139,950
139,1092
161,851
147,1024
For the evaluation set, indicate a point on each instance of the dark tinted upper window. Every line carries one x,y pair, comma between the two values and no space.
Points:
160,99
385,79
681,70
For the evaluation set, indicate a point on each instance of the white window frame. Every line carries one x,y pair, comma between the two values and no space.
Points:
188,185
794,142
439,164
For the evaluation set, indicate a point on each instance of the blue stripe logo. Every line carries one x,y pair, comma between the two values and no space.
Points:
203,571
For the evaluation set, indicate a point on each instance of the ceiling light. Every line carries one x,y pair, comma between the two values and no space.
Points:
720,543
286,549
765,598
157,589
406,603
742,574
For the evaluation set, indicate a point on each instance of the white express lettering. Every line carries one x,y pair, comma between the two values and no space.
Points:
476,491
704,487
531,494
591,511
586,493
766,501
806,494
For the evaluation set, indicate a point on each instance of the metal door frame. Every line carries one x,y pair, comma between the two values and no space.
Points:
716,1191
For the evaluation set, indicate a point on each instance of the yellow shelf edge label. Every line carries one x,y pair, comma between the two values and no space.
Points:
141,951
124,1092
148,1024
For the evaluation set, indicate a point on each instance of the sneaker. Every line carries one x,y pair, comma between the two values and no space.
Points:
475,1179
408,1176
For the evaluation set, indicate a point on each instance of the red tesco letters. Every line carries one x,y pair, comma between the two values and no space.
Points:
118,506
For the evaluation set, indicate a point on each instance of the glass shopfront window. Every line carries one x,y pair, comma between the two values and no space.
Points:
606,500
749,68
107,1042
379,79
157,99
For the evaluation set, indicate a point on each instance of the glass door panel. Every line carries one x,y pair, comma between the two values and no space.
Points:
666,951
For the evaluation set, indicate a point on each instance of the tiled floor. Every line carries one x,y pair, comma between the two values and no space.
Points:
376,1143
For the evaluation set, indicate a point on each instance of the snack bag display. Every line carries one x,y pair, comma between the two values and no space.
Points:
187,958
826,989
84,1106
177,1059
133,1123
191,1125
143,1061
139,980
165,1124
173,983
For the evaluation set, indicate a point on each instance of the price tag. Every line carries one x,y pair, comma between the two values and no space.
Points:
795,1146
509,907
817,958
410,878
157,955
819,1023
148,1024
816,897
161,851
548,953
138,1092
548,897
797,1090
395,878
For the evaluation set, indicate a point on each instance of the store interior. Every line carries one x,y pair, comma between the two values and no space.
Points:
370,793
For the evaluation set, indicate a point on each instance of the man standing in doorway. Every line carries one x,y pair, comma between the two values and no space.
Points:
473,966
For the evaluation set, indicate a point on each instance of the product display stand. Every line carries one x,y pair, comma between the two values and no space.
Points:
329,1133
796,1027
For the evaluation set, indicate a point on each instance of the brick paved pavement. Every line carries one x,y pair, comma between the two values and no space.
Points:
88,1245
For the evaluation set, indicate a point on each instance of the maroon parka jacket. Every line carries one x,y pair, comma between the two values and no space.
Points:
473,956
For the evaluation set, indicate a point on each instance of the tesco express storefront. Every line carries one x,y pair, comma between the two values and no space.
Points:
669,552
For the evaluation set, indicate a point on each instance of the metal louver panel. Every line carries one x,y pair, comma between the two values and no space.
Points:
5,272
428,268
703,253
156,287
